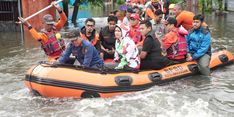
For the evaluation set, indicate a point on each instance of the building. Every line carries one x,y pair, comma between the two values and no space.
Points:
8,15
229,5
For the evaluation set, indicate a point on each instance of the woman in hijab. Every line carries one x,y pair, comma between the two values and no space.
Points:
126,54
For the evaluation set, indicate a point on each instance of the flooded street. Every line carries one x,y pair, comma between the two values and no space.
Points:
194,97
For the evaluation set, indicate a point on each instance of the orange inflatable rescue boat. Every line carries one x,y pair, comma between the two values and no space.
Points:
61,81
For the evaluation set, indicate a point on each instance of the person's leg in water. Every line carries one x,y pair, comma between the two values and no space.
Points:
203,64
75,12
65,9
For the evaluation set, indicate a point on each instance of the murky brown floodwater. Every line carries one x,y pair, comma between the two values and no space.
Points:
194,97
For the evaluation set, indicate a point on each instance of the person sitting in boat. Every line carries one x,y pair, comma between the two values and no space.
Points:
158,25
139,11
199,45
174,41
107,38
151,54
50,39
151,8
171,11
126,52
83,50
185,18
126,19
134,32
89,33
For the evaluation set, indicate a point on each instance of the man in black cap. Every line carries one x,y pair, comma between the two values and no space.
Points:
83,50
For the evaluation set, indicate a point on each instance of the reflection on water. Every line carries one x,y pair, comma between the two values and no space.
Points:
197,96
222,30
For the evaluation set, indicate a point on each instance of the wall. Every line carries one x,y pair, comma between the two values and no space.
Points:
30,7
230,5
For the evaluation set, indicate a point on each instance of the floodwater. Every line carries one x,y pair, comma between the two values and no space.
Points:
196,96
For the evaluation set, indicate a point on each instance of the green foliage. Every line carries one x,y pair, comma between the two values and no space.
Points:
96,2
92,2
176,1
220,5
119,2
207,5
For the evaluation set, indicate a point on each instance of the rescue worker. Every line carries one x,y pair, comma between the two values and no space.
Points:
151,8
50,39
185,18
199,45
174,41
84,52
89,33
134,32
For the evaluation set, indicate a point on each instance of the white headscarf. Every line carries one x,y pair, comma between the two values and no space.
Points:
124,29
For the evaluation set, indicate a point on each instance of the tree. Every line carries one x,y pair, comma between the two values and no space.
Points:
220,5
76,5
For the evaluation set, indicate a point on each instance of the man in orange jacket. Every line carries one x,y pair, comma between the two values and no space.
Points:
49,38
174,42
185,18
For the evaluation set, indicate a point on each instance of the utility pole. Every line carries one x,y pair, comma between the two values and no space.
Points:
225,5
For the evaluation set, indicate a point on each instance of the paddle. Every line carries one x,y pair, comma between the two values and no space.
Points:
29,17
162,8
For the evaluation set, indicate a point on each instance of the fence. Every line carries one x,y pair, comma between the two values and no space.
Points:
8,15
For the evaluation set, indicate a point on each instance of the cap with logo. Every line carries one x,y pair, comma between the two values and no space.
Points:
48,19
73,34
135,16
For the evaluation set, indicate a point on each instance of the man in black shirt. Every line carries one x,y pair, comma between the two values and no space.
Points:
151,54
107,38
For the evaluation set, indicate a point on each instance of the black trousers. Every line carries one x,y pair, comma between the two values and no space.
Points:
147,64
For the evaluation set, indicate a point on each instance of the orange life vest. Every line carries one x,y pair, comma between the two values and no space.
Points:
177,50
53,46
94,41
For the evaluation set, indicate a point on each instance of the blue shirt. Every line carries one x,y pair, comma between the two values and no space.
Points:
86,54
198,43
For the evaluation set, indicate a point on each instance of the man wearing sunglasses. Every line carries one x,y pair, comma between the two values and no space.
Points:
89,33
